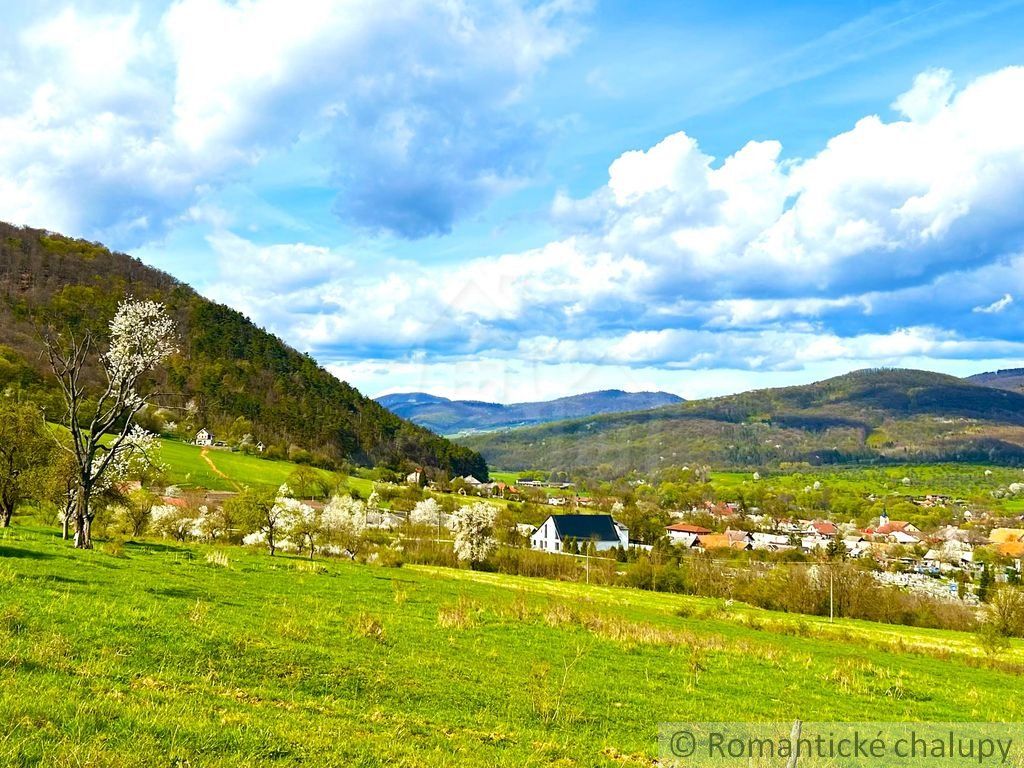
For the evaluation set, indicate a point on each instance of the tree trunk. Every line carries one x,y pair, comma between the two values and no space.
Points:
83,518
5,516
65,525
310,547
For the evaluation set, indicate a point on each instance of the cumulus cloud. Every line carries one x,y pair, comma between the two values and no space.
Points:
886,246
885,204
115,123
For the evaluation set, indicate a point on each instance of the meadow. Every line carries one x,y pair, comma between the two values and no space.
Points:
146,653
220,470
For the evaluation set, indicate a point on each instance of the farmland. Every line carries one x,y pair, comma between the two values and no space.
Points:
147,653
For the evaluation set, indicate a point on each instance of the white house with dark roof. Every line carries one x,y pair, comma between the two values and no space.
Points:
204,437
604,531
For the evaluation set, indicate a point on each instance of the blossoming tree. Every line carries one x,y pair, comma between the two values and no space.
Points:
473,526
344,520
103,436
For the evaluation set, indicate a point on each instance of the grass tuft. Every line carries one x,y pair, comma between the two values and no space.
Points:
218,558
369,626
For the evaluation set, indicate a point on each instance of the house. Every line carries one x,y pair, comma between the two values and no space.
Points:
772,542
602,530
1008,542
821,529
722,541
856,545
739,539
413,478
471,481
951,552
260,447
684,533
525,530
895,531
204,437
505,491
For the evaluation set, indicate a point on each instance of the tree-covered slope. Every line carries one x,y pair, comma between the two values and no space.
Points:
230,376
1011,379
866,415
454,416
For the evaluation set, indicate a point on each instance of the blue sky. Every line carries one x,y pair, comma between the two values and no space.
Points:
515,200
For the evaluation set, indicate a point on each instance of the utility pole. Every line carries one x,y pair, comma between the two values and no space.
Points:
831,597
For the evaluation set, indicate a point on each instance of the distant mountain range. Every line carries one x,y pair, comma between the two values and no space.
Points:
864,416
1011,379
451,417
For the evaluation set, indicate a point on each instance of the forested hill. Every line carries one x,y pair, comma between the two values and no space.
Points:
460,416
1011,379
231,376
870,415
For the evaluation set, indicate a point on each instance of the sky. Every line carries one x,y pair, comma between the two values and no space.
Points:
511,201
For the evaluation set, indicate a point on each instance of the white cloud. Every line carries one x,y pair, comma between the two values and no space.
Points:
112,124
996,306
875,251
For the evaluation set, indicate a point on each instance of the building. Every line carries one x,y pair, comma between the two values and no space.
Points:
772,542
602,530
684,533
204,437
1008,542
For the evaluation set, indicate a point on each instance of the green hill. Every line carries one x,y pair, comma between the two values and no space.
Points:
864,416
156,655
231,376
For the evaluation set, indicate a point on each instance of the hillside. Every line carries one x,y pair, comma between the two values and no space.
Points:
864,416
231,376
153,654
463,416
1011,379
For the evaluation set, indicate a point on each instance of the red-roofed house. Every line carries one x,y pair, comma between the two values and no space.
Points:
685,534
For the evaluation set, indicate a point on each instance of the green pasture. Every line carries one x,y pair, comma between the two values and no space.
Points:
159,654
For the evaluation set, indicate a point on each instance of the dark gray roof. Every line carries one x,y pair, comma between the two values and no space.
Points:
585,527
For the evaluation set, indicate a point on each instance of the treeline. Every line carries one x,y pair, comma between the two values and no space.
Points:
228,368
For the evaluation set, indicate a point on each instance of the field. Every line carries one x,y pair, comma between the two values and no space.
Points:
226,470
151,654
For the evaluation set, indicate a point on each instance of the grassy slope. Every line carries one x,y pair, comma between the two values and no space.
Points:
159,658
186,467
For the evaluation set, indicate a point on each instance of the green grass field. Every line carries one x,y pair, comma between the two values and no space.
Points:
154,656
187,467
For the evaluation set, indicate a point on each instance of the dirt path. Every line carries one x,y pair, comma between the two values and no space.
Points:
204,455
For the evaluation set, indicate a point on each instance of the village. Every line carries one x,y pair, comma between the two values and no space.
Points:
948,562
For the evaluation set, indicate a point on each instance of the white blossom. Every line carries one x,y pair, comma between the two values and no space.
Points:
344,518
141,337
426,512
473,526
139,449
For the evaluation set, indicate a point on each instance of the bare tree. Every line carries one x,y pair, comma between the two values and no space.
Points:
141,337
